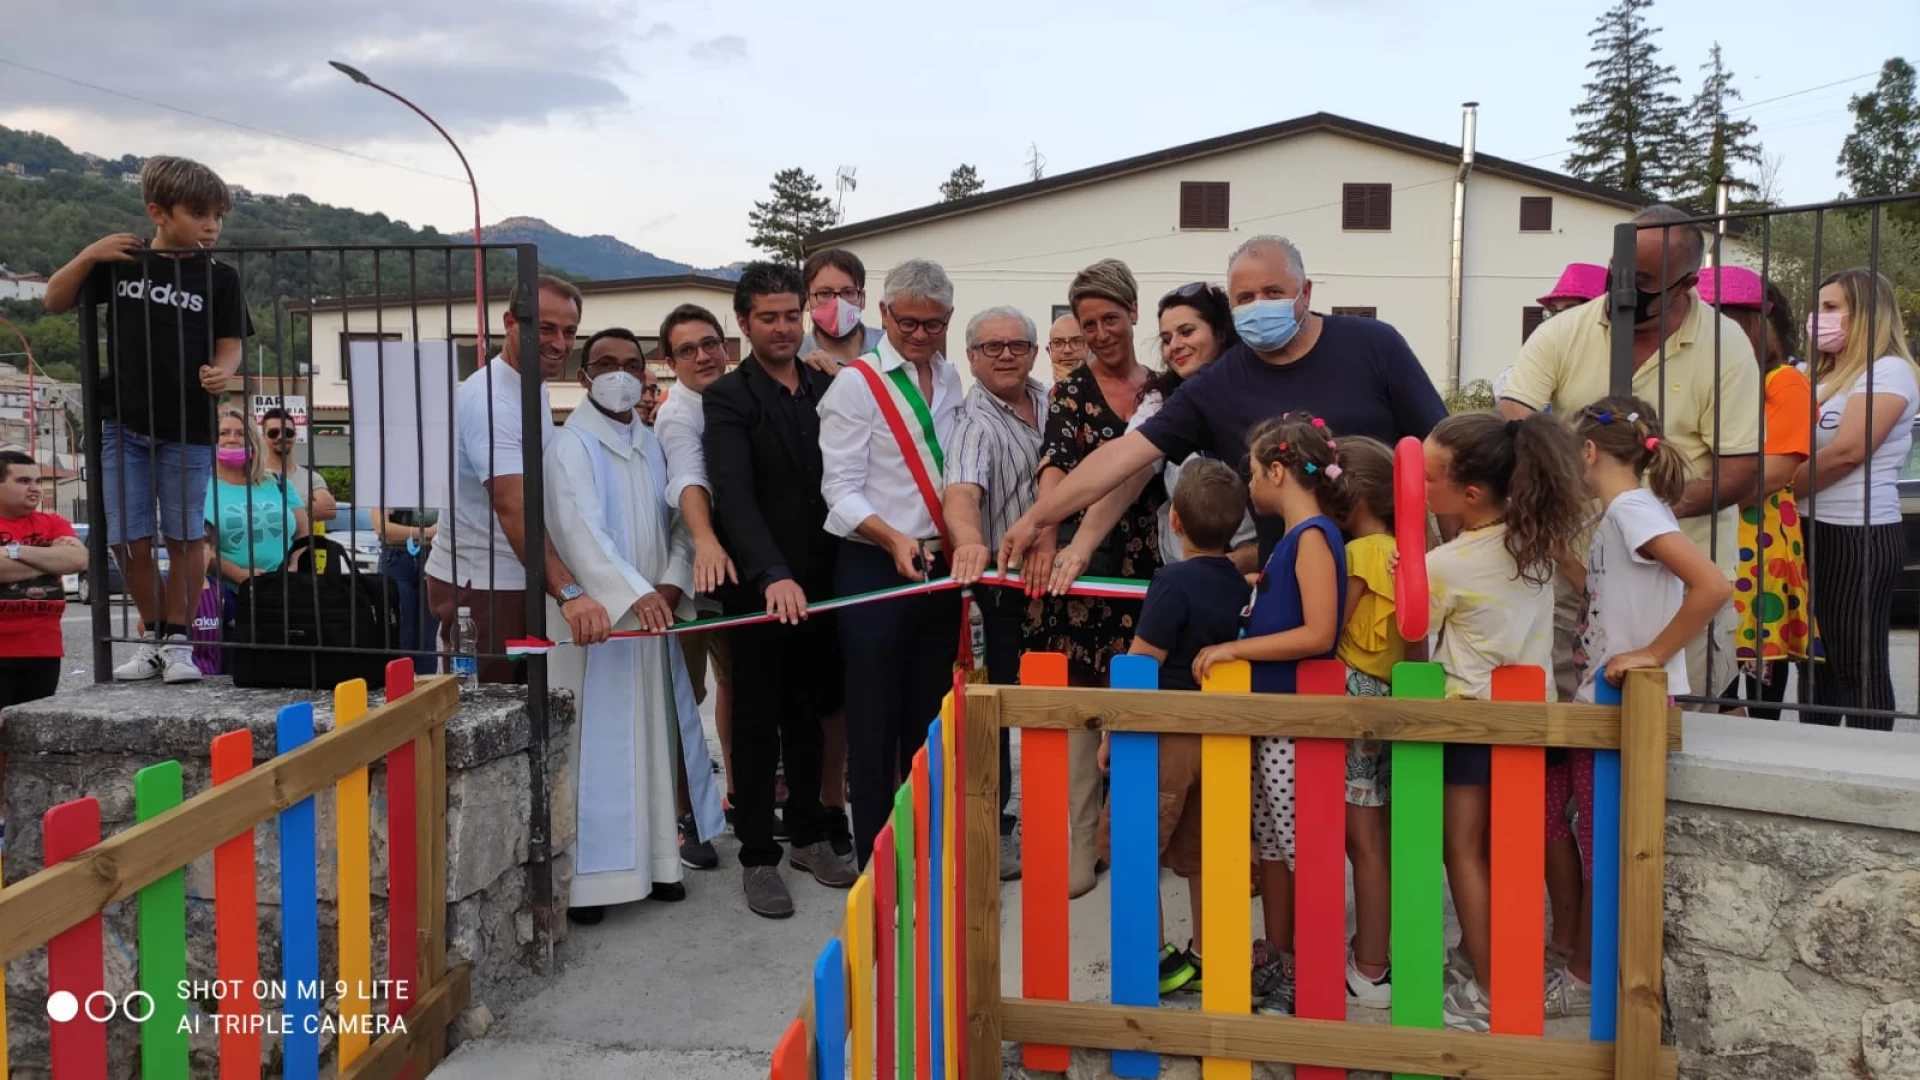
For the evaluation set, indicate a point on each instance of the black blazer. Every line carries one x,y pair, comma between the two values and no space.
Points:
765,479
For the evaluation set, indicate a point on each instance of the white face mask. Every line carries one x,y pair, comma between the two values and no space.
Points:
616,391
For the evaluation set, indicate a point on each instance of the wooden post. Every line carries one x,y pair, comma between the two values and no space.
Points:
982,990
1643,849
430,784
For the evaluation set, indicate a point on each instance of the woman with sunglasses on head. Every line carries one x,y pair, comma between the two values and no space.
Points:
1196,326
1087,409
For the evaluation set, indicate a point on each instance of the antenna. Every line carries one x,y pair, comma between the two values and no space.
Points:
1036,162
844,182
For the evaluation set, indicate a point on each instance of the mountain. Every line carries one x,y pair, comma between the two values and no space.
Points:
598,256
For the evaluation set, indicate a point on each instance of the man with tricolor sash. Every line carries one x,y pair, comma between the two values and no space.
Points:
884,425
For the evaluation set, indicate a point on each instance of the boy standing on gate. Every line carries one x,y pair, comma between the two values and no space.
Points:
175,320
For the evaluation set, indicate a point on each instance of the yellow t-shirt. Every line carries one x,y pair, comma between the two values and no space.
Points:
1370,642
1707,392
1484,615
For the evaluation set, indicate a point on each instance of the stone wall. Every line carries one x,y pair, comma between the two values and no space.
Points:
92,741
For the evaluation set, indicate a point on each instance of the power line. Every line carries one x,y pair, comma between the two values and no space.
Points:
230,123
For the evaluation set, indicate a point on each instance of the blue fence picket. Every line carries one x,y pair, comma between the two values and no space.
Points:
1134,757
299,912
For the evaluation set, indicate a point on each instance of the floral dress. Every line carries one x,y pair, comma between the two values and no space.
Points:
1770,594
1092,630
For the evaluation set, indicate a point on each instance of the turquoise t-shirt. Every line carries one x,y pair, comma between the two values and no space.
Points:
254,526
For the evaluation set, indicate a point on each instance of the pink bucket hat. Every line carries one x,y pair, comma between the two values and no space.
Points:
1732,286
1579,281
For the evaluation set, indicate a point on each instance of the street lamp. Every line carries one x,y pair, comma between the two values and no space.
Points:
479,277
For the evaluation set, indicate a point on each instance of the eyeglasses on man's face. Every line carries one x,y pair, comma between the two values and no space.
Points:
277,434
911,326
827,296
1073,344
651,390
712,346
994,350
637,367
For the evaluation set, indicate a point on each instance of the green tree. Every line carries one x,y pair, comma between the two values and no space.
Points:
1800,251
963,182
1717,145
796,211
1881,156
1627,131
56,341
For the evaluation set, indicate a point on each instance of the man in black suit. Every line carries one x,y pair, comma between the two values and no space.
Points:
763,460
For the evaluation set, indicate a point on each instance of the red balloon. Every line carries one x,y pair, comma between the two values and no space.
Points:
1410,535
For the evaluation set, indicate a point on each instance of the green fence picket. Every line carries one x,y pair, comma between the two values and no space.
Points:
1419,934
903,984
162,923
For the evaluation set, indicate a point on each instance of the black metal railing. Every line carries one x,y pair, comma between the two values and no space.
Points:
1851,674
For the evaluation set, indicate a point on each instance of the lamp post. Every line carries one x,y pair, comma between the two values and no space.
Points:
479,277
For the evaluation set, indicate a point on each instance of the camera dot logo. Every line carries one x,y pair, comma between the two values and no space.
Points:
62,1006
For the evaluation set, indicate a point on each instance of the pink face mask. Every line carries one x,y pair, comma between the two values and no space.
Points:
836,318
1827,330
233,457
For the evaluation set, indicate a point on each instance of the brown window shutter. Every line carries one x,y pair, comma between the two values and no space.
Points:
1203,204
1531,317
1536,213
1366,207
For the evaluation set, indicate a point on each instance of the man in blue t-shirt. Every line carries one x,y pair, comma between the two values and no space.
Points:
1356,373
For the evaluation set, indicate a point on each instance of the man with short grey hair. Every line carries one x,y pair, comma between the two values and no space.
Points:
885,425
1355,373
991,480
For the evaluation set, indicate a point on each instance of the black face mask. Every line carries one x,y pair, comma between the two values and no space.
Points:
1644,300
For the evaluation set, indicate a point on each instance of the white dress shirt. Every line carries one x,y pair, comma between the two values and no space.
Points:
681,426
472,550
864,471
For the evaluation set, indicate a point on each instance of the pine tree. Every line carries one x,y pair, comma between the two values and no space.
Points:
1882,154
796,211
1627,132
1717,145
963,182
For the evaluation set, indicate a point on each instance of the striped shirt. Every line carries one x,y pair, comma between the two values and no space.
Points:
998,452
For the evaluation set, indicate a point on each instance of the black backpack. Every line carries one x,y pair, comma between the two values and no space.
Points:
317,613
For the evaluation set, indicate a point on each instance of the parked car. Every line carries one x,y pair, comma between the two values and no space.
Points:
352,528
81,589
1906,594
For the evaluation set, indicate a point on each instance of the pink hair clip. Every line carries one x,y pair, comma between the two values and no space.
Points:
1319,423
1653,441
1333,472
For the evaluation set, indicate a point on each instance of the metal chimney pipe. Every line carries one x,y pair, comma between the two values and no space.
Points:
1456,271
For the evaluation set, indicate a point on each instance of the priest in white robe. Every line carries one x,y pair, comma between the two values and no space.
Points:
609,520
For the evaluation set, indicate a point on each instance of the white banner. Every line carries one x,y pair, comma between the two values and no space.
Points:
401,404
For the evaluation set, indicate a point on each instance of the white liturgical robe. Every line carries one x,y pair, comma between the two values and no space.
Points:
608,518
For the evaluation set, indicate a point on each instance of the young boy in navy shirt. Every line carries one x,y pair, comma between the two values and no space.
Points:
175,322
1191,604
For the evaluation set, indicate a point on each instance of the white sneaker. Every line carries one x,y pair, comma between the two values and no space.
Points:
176,657
1566,995
146,664
1465,1007
1369,993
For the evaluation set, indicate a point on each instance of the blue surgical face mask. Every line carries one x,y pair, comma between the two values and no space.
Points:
1266,325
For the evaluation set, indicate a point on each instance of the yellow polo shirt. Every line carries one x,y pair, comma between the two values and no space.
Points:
1567,364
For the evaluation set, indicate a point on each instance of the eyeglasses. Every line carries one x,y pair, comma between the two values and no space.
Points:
994,350
636,366
652,390
279,433
1190,290
712,346
910,327
1074,343
827,296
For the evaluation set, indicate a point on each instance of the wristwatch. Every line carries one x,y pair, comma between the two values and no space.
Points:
571,592
13,551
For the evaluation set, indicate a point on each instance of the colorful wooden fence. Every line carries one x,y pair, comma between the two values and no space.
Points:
910,989
60,906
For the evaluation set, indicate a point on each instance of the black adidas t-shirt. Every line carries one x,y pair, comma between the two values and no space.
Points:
163,317
1191,605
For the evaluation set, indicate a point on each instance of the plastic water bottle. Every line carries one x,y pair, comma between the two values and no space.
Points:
466,647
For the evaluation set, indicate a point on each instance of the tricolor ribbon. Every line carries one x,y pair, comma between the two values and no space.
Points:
1109,588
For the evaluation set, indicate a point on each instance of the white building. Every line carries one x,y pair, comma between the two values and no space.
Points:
21,286
1370,209
638,304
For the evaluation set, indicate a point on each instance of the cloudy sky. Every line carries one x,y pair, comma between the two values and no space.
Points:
661,122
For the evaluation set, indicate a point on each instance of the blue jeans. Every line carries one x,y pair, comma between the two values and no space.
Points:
418,628
135,469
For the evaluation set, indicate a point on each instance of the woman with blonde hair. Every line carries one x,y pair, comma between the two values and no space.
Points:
1087,409
1867,390
253,516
